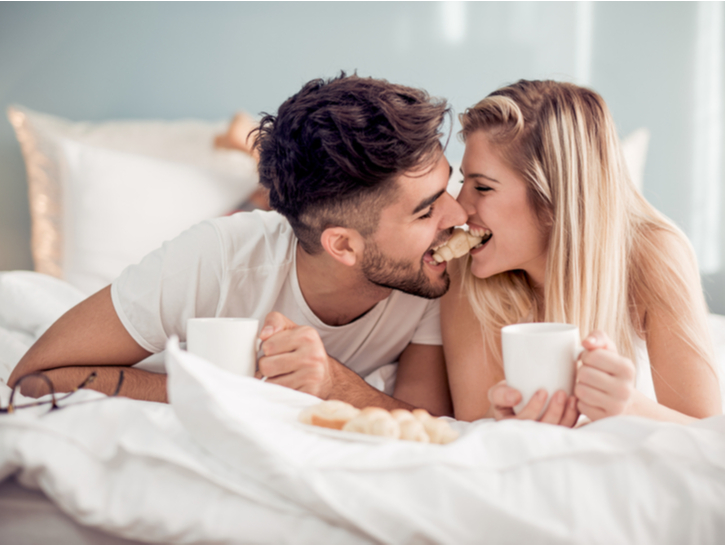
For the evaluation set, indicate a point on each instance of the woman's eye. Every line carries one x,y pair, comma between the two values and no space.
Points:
479,188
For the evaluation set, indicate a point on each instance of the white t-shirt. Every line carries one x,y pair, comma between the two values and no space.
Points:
244,265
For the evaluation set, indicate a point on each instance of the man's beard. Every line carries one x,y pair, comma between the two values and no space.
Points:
400,275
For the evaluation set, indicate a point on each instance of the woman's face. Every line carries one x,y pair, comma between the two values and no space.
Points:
495,199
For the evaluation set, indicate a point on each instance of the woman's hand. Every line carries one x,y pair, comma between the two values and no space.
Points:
562,410
605,380
238,135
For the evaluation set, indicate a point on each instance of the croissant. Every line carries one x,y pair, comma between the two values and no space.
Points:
438,430
374,421
331,414
421,414
458,245
411,429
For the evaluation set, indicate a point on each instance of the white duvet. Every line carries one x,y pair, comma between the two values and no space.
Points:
226,462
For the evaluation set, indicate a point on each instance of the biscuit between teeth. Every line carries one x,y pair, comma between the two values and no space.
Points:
457,246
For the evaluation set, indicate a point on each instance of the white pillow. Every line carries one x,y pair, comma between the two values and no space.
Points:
634,149
103,195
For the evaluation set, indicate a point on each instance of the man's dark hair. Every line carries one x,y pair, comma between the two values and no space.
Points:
332,153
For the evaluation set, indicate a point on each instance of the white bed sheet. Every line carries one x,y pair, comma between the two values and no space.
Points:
27,517
226,462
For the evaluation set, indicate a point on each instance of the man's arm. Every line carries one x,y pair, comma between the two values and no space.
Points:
137,383
295,357
90,337
347,385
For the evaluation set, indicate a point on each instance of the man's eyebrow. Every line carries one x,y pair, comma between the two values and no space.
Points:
477,175
427,202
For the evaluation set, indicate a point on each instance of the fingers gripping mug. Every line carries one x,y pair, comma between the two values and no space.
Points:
540,355
229,343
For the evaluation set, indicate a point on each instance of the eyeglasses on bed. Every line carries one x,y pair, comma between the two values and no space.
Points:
54,401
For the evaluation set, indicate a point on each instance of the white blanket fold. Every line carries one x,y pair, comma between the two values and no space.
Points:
621,480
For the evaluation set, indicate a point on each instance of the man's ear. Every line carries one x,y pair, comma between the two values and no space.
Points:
343,244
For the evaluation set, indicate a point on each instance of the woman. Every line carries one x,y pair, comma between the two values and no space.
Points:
571,240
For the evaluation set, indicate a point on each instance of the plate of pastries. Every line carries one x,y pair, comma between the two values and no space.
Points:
341,420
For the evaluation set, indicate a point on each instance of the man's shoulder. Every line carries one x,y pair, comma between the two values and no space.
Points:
262,222
253,239
246,227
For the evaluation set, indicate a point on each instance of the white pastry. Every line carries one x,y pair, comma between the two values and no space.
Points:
374,421
331,414
411,429
437,429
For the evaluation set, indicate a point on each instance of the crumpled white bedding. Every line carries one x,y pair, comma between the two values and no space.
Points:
29,303
226,462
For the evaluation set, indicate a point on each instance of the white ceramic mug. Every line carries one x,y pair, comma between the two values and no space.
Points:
229,343
540,355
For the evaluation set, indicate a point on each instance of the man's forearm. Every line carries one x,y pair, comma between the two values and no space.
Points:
137,384
350,387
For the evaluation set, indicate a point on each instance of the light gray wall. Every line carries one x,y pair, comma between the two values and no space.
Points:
94,61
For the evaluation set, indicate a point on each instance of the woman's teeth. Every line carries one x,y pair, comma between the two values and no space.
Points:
476,232
485,234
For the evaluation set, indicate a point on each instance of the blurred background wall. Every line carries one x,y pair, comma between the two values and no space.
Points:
658,65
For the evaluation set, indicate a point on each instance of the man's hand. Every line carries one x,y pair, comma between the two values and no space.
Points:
561,410
295,357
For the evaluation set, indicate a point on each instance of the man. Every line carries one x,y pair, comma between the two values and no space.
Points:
342,273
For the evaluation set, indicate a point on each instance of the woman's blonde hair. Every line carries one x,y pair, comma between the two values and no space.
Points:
561,139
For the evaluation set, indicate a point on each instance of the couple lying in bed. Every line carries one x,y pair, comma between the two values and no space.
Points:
343,278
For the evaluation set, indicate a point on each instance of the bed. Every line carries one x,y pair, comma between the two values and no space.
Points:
227,462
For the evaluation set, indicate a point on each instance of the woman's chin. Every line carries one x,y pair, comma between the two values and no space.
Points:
480,271
481,267
486,267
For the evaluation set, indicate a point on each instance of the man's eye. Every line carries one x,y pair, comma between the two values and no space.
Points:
427,215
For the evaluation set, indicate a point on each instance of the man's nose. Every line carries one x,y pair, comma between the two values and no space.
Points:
466,205
455,214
